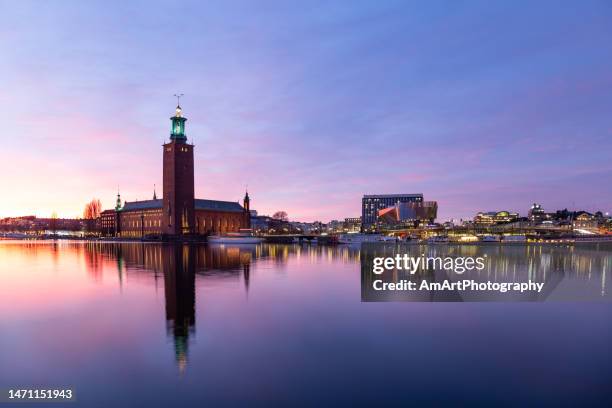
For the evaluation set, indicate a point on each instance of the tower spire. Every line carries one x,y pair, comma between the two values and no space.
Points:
246,202
118,204
154,194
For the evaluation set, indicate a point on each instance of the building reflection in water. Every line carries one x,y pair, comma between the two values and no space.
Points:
583,269
178,266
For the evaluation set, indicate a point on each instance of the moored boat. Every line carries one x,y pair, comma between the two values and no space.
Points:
490,238
244,236
438,239
519,239
363,238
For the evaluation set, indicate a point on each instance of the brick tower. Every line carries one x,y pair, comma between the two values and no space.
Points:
178,207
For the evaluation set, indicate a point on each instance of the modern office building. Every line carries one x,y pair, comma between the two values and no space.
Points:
409,214
371,204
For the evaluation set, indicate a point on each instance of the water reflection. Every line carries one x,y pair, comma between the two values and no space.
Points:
568,272
179,265
179,268
267,323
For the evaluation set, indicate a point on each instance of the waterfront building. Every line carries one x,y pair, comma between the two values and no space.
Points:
316,227
585,221
495,217
267,224
33,224
352,224
108,223
178,213
537,215
260,223
371,204
408,214
335,226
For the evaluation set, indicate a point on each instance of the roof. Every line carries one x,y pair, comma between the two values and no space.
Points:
214,205
200,204
142,205
393,195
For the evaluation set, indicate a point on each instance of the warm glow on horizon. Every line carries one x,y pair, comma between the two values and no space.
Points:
476,125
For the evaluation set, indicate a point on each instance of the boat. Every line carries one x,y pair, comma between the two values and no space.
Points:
363,238
438,239
244,236
490,238
15,235
515,239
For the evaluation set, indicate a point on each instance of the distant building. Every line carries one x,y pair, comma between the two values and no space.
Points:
261,223
335,226
265,224
409,214
495,217
536,214
585,221
37,225
352,224
371,204
108,223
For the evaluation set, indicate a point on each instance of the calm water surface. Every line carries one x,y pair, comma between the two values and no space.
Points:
162,325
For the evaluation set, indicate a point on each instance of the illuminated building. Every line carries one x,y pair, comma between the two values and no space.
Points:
585,221
536,214
495,217
409,214
178,213
352,224
371,204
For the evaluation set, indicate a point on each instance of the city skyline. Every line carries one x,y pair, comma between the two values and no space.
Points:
310,108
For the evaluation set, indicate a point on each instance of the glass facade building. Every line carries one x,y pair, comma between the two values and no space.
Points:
371,204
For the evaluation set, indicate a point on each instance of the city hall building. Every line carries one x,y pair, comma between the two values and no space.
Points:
178,213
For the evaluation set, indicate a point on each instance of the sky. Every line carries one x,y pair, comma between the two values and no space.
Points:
480,106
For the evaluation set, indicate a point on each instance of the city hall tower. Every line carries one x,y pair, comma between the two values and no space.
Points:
178,216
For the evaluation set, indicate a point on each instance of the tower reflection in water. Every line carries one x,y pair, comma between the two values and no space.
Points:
582,272
178,265
179,287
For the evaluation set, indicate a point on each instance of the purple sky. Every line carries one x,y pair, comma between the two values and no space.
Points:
479,106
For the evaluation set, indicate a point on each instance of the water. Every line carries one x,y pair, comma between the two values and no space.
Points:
159,325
